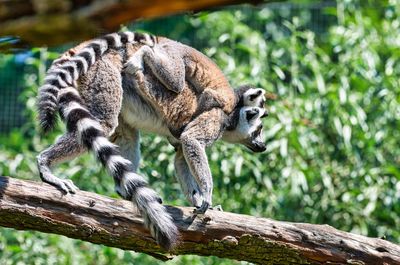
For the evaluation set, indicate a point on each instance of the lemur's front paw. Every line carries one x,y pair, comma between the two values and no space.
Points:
70,185
65,185
203,208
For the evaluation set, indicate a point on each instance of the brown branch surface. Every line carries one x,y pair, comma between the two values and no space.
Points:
49,22
28,205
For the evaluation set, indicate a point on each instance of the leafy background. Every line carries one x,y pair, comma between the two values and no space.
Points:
333,134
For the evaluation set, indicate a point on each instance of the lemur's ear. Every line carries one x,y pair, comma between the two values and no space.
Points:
251,113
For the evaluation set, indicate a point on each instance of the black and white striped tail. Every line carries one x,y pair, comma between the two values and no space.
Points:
64,73
129,185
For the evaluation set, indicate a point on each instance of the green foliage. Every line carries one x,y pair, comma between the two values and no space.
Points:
333,140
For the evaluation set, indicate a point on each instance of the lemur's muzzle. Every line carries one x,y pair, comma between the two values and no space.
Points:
257,147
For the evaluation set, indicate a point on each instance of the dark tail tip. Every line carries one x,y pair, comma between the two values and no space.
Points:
161,225
168,240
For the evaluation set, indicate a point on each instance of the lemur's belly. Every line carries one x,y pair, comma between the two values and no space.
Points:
142,116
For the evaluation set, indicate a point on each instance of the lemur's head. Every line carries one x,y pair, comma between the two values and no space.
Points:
246,128
245,125
250,96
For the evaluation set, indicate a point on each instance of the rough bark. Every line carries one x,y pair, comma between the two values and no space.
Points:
49,22
28,205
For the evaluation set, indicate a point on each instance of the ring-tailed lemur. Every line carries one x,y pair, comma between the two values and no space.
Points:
96,99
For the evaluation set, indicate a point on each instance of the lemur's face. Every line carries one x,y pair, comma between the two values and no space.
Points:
254,97
248,130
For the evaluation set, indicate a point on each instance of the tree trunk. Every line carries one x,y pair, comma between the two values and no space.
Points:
28,205
49,22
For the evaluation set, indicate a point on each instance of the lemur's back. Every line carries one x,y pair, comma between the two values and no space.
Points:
203,74
172,112
97,88
103,98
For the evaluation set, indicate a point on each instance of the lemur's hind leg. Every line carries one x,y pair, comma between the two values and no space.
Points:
167,67
199,134
65,148
128,140
106,89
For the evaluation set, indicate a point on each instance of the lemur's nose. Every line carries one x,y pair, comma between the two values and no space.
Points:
265,114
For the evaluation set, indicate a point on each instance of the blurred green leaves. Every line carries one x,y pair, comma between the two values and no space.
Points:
333,134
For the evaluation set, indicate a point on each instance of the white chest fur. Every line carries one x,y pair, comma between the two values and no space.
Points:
141,116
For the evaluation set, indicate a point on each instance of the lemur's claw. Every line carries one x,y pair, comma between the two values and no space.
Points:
65,185
71,186
203,208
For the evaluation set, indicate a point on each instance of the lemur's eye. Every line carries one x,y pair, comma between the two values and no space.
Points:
250,114
255,95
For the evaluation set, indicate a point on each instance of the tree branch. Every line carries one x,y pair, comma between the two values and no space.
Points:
28,205
49,22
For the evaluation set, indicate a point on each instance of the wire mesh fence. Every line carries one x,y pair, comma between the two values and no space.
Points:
11,87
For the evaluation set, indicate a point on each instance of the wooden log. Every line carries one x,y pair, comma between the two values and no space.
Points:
28,205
